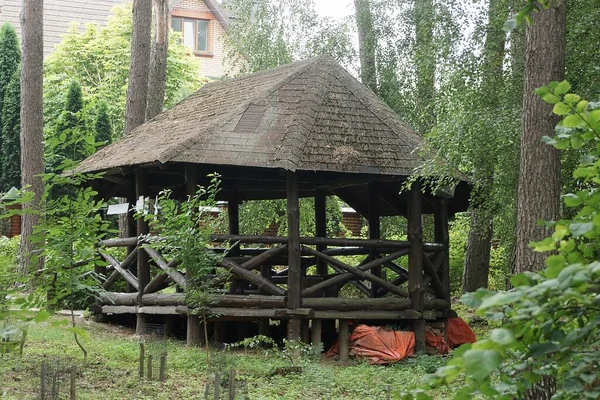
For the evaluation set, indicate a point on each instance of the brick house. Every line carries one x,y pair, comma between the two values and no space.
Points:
203,24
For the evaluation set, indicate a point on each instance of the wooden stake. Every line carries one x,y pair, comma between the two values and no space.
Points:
72,394
415,263
163,366
232,384
149,366
142,359
217,393
43,381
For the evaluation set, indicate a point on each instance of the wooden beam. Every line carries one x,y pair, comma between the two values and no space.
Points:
167,268
262,283
359,272
438,287
294,277
131,280
143,265
155,283
348,304
415,263
442,236
344,338
312,241
129,260
340,279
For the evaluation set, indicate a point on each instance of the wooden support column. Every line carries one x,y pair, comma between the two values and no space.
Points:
233,219
321,227
131,231
194,332
143,265
344,339
316,333
415,263
442,236
374,230
294,281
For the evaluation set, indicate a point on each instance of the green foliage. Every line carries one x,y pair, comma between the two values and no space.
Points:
98,58
184,230
551,319
10,58
10,135
103,129
269,33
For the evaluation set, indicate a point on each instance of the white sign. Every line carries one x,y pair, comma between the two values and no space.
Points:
118,209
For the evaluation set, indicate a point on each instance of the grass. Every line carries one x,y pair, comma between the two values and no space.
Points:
112,370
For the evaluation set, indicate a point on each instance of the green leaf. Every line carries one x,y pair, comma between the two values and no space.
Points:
580,228
479,364
510,25
577,142
561,109
562,88
501,299
555,263
502,336
572,200
540,349
41,316
582,106
551,98
572,99
572,121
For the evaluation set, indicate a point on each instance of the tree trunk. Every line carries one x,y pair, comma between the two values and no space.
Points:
425,61
477,256
538,194
367,44
32,118
137,87
158,65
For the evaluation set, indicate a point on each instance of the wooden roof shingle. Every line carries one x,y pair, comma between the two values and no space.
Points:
310,115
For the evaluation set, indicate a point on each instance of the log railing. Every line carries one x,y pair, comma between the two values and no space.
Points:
318,291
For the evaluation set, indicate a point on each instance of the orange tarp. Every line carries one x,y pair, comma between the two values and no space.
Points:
381,345
459,332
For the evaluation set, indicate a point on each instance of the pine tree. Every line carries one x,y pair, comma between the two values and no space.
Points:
10,155
103,129
69,135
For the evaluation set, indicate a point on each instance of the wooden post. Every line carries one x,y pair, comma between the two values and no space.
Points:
374,230
415,263
344,337
231,394
43,380
233,218
194,333
72,394
321,227
143,265
150,367
294,280
131,231
315,334
142,359
163,366
217,393
442,236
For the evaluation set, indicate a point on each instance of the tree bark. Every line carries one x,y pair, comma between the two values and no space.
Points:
477,255
137,87
367,44
538,193
32,118
158,66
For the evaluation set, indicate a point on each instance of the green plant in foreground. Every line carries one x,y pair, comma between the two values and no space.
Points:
551,319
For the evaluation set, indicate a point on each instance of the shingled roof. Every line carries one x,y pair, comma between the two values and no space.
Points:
309,116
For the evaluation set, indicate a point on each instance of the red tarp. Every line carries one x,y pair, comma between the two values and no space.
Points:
381,345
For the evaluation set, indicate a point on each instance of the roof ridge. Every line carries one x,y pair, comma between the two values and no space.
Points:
302,133
371,100
168,154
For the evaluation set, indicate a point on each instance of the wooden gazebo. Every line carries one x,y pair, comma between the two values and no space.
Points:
307,129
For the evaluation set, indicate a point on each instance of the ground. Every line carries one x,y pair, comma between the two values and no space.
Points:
112,370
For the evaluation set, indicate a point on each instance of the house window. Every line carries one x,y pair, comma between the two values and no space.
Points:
195,32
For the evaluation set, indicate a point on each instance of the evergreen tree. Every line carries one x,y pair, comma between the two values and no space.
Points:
69,142
10,56
103,127
10,154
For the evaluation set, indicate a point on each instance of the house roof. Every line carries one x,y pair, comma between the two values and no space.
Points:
309,116
218,11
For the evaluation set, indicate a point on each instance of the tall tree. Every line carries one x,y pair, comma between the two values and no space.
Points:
538,192
10,57
425,60
137,86
10,153
367,43
32,117
158,66
477,255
